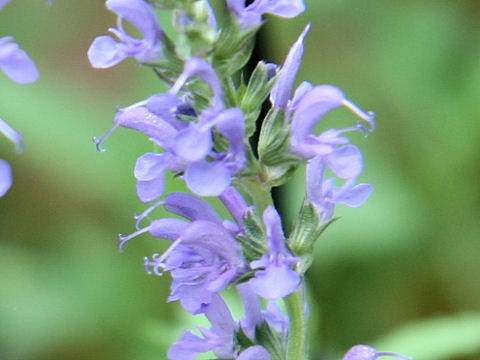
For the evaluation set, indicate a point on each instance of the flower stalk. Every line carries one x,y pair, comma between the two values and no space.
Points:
297,343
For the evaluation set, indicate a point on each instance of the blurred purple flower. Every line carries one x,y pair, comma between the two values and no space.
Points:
105,51
3,3
365,352
251,16
5,177
5,169
276,279
324,195
15,63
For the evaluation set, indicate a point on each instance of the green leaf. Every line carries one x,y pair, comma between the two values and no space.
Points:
440,338
270,340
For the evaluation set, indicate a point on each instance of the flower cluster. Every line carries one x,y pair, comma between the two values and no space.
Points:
201,129
16,65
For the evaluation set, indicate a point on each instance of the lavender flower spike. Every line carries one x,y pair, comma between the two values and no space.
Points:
277,279
365,352
251,16
105,51
15,63
280,93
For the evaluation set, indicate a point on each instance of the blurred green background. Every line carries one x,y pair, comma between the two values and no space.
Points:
400,273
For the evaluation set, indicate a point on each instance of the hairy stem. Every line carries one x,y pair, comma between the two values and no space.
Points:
297,345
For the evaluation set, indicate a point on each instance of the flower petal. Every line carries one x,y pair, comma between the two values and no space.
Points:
207,178
275,282
104,52
283,8
346,162
140,14
355,196
140,119
255,352
312,107
280,93
5,177
361,352
192,143
168,228
191,207
3,3
275,236
15,63
12,135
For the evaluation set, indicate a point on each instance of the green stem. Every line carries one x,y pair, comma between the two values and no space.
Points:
297,345
257,194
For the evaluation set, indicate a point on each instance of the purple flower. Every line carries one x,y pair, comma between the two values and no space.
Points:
236,205
199,67
5,177
5,169
206,172
105,51
255,352
188,145
185,205
324,195
219,338
254,315
3,3
277,279
15,63
251,16
12,135
202,261
204,256
280,94
312,106
365,352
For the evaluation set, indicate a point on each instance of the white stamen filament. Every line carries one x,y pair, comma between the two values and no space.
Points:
369,117
124,239
144,214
